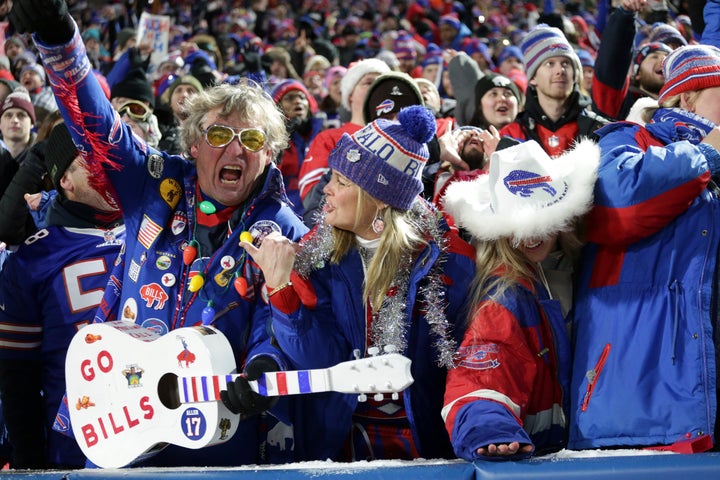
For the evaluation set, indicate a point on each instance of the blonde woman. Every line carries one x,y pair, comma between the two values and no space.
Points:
382,268
506,398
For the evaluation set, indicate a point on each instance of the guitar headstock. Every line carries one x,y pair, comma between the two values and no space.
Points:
377,374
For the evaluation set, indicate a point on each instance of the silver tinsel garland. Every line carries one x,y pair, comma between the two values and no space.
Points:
390,323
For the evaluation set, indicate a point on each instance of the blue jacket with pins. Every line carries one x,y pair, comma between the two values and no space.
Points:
330,323
156,192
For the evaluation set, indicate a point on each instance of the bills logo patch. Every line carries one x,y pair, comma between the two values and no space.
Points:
542,188
386,106
179,222
153,294
479,357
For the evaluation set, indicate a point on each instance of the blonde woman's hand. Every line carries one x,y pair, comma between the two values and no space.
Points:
275,257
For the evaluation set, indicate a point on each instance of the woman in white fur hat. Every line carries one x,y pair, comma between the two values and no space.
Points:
507,397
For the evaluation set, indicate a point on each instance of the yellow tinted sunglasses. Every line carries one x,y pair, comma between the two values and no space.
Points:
219,136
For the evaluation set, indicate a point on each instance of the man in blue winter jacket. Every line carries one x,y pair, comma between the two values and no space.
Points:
184,216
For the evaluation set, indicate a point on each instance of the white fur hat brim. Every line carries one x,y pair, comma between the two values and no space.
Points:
503,205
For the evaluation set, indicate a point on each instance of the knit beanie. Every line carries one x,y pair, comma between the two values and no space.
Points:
642,53
34,67
60,151
176,82
492,80
19,98
586,58
386,158
511,51
667,34
136,86
390,93
451,20
282,88
332,73
545,42
475,45
690,68
356,72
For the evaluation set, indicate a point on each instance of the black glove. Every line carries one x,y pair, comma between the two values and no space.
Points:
239,397
250,57
49,19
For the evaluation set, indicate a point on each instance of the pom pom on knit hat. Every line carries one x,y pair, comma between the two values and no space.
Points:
355,73
545,42
386,158
60,152
19,98
695,67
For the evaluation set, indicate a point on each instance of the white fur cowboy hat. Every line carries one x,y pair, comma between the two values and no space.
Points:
526,195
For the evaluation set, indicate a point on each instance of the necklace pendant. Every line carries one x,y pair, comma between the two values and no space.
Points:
196,283
207,207
190,252
208,315
241,286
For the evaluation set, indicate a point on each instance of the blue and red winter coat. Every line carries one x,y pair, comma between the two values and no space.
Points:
324,320
157,193
644,368
512,379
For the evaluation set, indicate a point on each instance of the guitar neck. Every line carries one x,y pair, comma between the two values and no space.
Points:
207,388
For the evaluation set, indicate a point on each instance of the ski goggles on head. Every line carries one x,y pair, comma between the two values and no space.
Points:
136,110
219,136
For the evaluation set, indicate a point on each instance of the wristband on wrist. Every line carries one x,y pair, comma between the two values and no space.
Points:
278,288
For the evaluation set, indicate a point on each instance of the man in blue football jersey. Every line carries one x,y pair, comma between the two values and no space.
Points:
50,288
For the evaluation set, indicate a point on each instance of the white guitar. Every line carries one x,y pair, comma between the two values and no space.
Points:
131,391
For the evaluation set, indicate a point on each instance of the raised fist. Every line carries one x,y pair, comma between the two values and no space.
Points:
49,19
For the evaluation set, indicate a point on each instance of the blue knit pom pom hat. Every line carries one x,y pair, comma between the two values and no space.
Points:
386,158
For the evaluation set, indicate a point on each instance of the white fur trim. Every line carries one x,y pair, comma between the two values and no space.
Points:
473,203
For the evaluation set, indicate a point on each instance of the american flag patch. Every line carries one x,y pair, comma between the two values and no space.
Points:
149,231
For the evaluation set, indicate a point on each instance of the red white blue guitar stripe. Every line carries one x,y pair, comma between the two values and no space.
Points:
208,388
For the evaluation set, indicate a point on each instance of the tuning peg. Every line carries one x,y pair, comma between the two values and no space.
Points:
395,396
390,349
378,397
373,351
362,398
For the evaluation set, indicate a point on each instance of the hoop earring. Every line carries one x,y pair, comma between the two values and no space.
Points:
378,223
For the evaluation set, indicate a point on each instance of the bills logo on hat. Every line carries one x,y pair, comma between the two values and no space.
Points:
523,183
526,194
386,106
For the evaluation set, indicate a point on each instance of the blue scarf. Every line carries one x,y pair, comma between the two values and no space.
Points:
675,125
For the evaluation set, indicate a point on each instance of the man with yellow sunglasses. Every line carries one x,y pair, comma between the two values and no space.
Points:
184,216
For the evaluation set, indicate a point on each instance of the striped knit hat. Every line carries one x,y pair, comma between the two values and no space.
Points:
690,68
386,158
544,42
